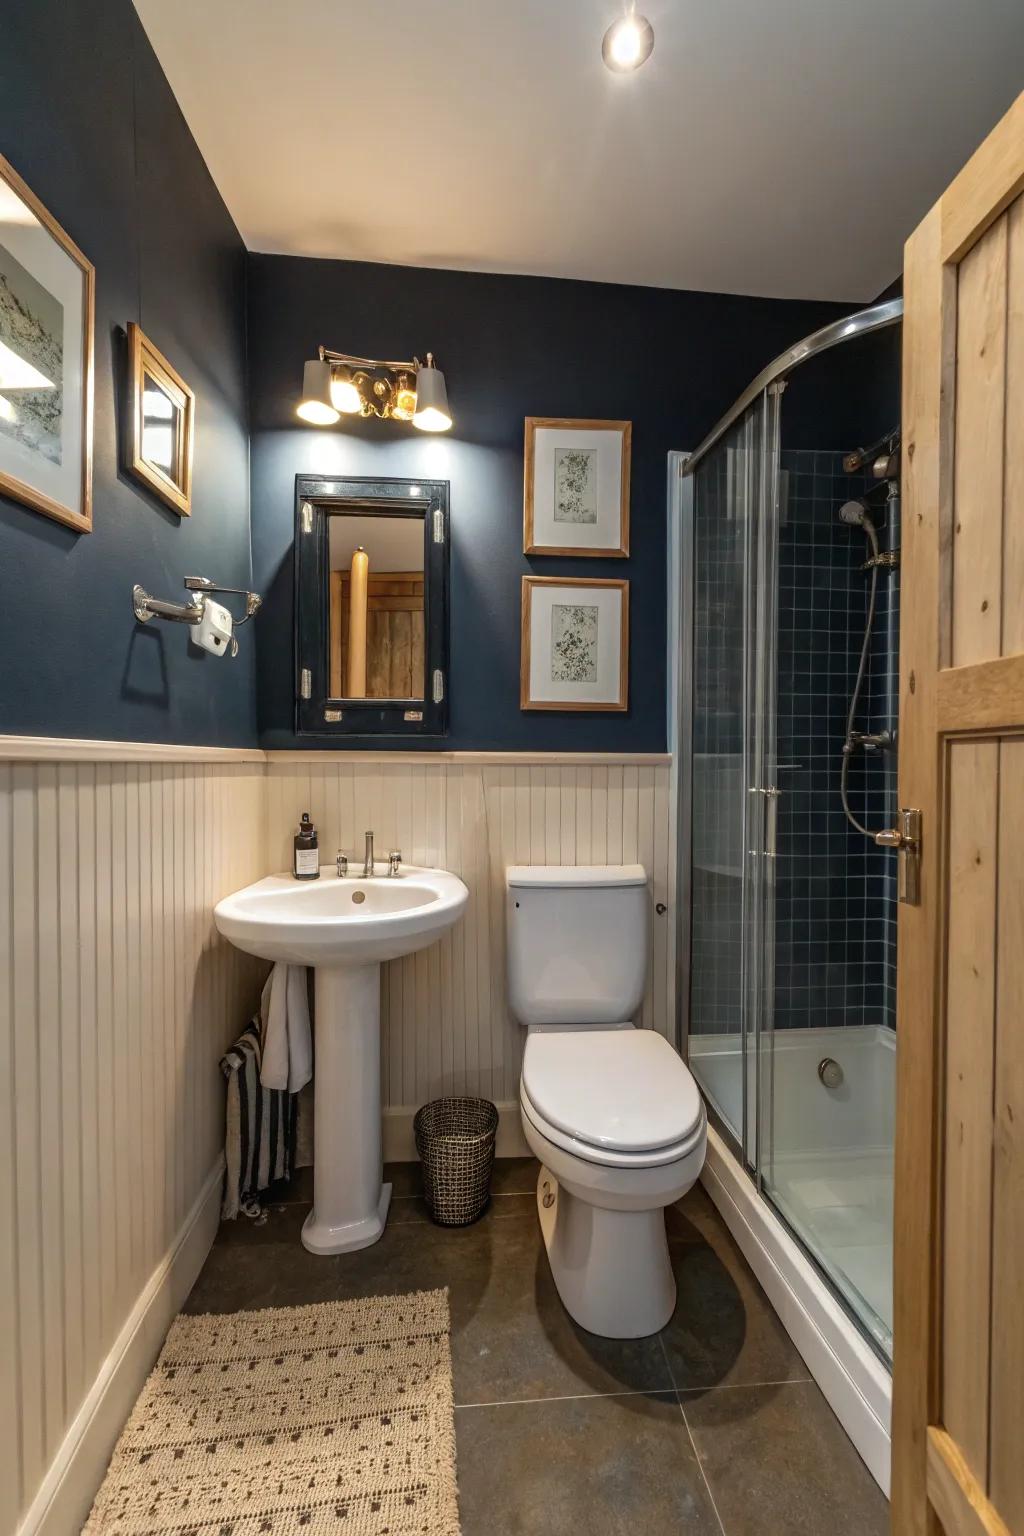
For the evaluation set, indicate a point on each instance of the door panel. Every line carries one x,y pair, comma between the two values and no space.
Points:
958,1395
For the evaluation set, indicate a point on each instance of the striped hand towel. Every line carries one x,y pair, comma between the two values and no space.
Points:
259,1144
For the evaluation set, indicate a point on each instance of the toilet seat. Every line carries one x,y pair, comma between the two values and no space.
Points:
618,1097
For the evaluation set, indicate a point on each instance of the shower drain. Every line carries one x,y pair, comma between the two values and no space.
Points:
830,1072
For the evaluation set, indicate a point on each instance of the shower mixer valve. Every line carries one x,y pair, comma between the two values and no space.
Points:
871,741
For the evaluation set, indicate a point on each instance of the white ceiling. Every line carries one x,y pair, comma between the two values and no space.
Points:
392,543
778,147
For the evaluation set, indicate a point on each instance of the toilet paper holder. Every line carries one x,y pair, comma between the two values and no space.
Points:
214,624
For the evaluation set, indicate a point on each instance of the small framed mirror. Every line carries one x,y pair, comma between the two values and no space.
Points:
162,409
371,607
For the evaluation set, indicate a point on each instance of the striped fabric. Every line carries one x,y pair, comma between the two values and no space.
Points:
259,1144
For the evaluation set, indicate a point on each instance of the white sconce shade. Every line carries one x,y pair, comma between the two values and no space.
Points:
432,413
316,405
345,396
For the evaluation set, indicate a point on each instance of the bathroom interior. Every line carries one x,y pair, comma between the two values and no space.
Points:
510,1011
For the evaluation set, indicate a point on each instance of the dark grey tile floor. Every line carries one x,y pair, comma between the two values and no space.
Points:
712,1426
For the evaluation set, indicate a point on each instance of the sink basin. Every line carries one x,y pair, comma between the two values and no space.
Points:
348,921
344,928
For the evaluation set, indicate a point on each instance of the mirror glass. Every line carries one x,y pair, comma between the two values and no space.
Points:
377,639
162,428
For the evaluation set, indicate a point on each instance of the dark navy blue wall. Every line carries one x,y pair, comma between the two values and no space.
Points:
510,346
88,119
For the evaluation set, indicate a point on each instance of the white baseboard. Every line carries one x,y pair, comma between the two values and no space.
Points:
400,1144
69,1487
855,1382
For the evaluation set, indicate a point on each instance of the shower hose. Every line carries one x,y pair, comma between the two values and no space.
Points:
869,529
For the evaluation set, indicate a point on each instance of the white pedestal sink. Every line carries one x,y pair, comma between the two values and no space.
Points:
344,928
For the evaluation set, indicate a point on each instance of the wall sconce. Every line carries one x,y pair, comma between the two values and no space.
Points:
338,384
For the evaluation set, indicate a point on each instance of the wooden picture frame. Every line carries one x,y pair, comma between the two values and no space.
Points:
597,649
47,342
153,382
591,517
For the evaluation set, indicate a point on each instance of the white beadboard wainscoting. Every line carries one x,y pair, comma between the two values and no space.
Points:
445,1018
116,999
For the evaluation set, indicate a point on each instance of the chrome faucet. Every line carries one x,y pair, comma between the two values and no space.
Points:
368,860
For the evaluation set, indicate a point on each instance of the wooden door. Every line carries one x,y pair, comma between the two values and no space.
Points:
395,639
958,1393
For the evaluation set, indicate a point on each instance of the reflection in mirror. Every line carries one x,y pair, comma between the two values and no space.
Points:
162,429
377,638
162,414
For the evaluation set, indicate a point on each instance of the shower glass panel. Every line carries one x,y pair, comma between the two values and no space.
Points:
793,913
733,733
827,1073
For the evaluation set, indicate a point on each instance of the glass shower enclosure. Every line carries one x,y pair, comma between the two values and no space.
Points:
792,939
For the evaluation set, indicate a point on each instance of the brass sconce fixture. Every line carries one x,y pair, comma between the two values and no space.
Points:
339,384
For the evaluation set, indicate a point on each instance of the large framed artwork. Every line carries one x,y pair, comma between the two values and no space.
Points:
576,487
575,644
47,305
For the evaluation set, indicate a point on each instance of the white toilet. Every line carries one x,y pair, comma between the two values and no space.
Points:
611,1111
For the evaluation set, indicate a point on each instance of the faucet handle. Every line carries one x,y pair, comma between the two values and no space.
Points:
342,864
395,861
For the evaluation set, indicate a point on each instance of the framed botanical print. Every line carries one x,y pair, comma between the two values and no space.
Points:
576,487
162,423
575,644
47,320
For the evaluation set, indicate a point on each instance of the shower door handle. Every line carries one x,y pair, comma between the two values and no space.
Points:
771,821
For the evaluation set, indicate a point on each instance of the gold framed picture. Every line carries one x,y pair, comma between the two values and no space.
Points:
576,487
162,423
47,325
575,644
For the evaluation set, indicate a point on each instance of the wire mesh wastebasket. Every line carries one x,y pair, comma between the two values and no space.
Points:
455,1142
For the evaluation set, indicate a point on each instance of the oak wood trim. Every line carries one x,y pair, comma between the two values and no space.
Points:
144,357
985,696
986,186
525,702
928,357
957,1497
71,749
12,485
583,424
342,754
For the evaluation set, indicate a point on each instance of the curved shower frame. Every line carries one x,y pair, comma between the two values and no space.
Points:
877,318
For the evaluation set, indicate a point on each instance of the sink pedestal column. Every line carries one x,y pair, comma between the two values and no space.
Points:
350,1202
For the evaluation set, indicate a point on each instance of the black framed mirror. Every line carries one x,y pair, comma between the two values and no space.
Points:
371,607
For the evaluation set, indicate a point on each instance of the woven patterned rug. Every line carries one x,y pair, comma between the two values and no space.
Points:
332,1420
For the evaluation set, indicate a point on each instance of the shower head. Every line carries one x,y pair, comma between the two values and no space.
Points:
857,513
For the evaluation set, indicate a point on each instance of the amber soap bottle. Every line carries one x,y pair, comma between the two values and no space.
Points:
306,856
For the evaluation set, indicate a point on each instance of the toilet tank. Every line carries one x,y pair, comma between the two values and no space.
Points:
577,942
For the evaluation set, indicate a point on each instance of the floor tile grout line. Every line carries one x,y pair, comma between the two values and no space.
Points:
689,1435
700,1464
651,1391
745,1386
572,1397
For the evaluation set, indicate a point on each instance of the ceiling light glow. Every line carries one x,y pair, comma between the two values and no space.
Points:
628,43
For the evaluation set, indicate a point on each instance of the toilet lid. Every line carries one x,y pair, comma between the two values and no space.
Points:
624,1089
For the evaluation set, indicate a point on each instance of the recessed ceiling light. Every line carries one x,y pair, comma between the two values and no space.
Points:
628,43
